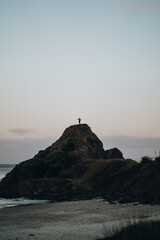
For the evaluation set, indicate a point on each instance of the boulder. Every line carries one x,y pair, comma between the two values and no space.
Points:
113,153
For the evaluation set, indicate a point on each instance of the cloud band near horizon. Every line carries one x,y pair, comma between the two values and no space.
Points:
17,150
22,131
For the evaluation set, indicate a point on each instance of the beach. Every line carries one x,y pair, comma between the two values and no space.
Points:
87,220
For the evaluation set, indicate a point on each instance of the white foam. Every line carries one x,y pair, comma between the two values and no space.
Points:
18,201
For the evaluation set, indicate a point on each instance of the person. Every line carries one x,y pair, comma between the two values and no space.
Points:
79,120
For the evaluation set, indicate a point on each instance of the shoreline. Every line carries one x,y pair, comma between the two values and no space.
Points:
22,201
16,202
74,220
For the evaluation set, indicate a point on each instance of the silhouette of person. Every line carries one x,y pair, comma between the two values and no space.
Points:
79,120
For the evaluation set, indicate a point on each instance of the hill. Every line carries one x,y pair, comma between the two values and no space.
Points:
77,167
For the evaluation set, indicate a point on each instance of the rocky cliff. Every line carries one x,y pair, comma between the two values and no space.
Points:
77,167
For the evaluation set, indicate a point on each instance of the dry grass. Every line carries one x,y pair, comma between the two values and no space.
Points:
138,231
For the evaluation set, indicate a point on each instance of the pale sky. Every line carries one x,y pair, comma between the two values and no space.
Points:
94,59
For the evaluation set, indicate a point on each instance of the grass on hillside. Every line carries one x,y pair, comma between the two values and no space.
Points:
137,231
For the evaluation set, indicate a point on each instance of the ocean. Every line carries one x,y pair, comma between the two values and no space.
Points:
4,169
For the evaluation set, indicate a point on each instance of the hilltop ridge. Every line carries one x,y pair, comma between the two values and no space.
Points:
78,139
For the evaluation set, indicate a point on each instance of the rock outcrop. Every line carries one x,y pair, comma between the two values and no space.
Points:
78,140
77,167
113,153
57,165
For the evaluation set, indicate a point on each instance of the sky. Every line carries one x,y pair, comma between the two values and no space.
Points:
65,59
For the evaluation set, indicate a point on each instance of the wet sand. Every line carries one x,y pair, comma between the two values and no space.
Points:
75,220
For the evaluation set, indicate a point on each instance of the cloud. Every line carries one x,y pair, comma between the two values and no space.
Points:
133,5
133,146
144,6
17,150
133,141
22,131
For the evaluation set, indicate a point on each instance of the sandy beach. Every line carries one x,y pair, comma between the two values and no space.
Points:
75,220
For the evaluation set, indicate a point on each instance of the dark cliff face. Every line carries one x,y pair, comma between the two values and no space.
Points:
77,167
76,143
66,160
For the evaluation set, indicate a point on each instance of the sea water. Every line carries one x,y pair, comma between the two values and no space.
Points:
4,169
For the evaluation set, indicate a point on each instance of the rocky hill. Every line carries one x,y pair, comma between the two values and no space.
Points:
77,167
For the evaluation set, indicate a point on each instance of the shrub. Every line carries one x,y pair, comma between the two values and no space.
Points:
157,159
146,159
